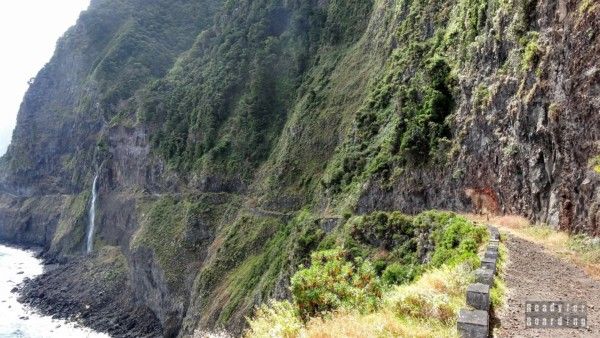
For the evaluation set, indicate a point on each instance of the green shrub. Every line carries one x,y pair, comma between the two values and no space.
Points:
383,230
403,122
415,139
430,238
481,96
333,282
594,162
380,265
457,241
396,274
532,51
275,319
310,239
346,280
426,108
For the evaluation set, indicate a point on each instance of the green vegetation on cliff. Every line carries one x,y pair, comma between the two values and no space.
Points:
338,285
222,107
248,148
69,235
176,229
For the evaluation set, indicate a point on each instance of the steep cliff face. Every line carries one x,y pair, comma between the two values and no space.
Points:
524,130
229,137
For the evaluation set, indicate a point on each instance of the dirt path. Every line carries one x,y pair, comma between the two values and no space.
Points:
534,274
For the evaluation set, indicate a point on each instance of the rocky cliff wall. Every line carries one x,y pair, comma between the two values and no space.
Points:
226,135
524,124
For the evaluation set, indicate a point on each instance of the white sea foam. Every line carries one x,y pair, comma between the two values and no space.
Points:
17,320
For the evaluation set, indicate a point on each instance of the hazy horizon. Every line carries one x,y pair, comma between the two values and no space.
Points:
27,48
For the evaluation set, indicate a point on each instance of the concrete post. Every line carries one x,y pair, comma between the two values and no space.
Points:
492,254
478,296
484,276
489,263
473,323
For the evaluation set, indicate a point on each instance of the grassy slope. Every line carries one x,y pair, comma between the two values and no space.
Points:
70,232
425,307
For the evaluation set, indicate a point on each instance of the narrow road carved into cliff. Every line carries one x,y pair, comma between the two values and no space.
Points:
534,274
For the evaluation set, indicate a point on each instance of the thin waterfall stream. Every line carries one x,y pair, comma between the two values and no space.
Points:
92,215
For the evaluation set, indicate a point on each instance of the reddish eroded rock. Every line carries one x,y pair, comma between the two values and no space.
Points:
484,201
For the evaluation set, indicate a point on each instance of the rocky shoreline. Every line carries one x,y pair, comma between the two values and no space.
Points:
93,292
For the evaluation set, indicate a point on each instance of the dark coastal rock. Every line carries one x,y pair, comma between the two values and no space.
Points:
103,303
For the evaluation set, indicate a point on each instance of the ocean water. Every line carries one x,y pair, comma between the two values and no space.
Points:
17,320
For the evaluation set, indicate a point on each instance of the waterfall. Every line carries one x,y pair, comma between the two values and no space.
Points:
90,234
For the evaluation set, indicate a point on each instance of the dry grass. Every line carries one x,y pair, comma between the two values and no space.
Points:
427,308
507,221
354,326
275,319
584,251
377,325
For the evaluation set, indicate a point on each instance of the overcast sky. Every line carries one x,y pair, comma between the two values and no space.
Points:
29,30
